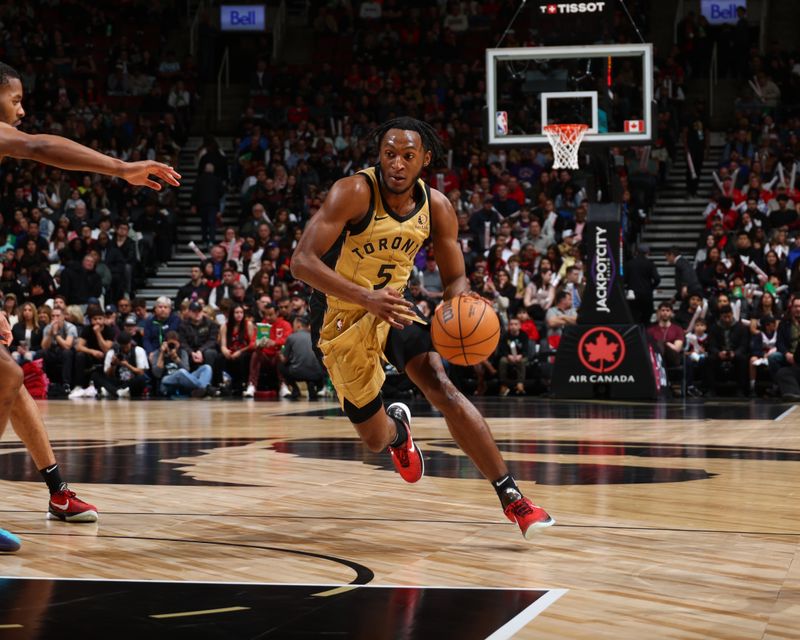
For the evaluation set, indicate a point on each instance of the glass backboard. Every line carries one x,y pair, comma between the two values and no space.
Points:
607,87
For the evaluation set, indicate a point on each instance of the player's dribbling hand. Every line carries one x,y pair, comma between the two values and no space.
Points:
139,173
391,306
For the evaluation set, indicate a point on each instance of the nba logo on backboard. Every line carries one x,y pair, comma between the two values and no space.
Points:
501,126
634,126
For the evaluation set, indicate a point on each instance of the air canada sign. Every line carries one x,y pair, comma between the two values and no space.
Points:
601,350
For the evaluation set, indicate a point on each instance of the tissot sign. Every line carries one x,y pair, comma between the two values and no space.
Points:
604,355
557,8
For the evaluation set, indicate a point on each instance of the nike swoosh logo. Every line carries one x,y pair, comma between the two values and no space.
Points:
63,507
380,218
50,469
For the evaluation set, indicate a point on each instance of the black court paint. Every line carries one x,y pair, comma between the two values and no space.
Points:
151,462
110,609
543,408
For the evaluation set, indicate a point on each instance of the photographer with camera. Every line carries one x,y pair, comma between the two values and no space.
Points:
171,370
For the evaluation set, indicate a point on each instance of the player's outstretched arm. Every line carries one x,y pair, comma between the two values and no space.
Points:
449,256
66,154
347,202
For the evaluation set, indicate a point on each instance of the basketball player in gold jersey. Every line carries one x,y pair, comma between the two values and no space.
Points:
15,401
358,250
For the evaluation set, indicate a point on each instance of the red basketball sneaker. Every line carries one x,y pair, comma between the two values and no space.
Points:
528,516
407,458
66,506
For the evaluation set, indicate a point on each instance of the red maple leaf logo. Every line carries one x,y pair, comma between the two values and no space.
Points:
551,8
601,351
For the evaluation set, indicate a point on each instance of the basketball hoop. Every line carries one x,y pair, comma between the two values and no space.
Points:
565,140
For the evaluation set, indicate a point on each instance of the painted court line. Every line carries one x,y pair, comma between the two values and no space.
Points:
205,612
283,584
10,626
510,628
335,592
786,413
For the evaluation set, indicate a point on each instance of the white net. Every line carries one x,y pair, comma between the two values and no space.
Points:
565,140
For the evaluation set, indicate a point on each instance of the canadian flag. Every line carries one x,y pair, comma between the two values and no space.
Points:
634,126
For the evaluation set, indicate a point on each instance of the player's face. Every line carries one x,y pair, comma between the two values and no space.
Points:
402,159
11,111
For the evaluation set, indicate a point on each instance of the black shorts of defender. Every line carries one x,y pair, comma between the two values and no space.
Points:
401,346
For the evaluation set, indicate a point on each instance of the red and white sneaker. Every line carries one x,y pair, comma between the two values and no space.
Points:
66,506
407,458
528,516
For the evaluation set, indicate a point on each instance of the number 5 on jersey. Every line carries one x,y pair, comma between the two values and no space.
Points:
385,276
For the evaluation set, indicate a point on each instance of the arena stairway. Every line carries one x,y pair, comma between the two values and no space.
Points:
175,273
677,220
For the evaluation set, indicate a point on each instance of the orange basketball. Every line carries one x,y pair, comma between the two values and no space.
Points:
465,331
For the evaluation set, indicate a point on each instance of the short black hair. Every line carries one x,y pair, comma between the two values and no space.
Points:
7,73
725,308
430,139
665,305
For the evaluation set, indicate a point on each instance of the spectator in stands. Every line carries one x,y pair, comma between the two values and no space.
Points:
696,143
268,348
94,341
696,357
787,341
560,314
513,353
195,289
232,243
156,326
667,338
80,281
641,279
728,351
237,341
685,276
484,222
124,367
258,215
26,335
206,196
58,341
249,261
225,289
199,337
762,344
217,262
127,247
298,363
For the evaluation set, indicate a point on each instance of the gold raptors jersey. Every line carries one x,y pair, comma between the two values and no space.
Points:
379,251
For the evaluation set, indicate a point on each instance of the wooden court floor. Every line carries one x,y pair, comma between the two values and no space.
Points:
672,522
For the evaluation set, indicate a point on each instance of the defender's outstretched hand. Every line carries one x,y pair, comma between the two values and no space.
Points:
139,173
